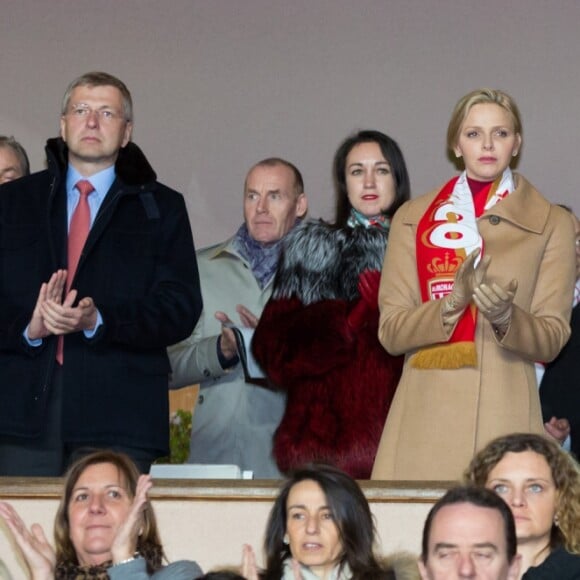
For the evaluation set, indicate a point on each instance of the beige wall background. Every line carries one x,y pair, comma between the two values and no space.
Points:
219,84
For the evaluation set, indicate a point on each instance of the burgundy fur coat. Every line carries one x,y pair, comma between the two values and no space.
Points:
339,379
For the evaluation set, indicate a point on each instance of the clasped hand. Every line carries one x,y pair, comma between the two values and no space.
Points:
54,315
467,278
493,301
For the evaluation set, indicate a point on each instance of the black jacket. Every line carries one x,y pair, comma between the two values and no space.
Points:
139,267
560,387
559,565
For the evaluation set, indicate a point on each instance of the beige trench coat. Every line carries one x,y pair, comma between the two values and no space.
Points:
439,418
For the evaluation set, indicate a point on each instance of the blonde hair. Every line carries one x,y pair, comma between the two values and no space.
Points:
478,97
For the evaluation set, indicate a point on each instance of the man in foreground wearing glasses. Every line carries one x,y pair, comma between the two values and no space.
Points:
97,276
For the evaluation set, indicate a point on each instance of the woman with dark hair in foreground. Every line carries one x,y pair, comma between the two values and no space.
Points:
321,527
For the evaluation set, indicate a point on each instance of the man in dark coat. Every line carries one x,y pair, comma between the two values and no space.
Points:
84,325
560,384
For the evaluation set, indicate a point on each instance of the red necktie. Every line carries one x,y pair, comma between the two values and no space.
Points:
80,224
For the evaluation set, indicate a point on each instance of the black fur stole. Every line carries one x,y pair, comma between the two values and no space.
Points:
320,261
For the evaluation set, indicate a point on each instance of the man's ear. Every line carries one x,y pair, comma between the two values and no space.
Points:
62,122
127,133
422,569
514,571
301,205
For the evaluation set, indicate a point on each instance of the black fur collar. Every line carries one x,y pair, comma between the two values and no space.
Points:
320,261
132,167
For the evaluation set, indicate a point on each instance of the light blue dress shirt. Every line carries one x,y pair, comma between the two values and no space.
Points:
102,182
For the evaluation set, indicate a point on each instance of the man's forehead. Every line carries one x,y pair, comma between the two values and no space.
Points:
8,155
270,177
100,92
467,525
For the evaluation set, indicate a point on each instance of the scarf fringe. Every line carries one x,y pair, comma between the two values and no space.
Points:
446,356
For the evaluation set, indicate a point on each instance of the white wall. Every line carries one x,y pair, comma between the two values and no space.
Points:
219,84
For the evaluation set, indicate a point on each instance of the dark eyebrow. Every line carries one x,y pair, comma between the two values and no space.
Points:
380,162
303,507
447,546
107,486
443,546
487,545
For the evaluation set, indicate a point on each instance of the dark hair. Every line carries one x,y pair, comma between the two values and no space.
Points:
273,162
565,473
148,545
477,496
19,151
391,152
350,511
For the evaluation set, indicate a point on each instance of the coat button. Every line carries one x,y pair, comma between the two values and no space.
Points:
200,400
494,220
206,373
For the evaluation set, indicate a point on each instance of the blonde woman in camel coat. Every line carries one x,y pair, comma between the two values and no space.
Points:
441,417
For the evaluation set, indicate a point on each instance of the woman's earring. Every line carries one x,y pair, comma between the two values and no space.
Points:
557,521
286,539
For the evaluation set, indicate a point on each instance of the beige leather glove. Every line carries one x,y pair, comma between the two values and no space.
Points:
495,303
467,278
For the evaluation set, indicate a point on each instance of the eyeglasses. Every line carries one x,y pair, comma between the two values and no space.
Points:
83,112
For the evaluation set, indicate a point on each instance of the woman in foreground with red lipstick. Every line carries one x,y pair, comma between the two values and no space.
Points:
541,484
321,527
477,285
317,337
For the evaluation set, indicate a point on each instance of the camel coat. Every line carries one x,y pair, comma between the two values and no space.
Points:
440,418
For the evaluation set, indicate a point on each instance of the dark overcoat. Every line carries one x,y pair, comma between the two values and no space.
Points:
139,267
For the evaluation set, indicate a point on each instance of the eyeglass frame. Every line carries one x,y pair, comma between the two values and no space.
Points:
106,114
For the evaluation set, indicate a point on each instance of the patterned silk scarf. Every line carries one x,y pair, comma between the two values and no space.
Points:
70,571
356,219
263,258
446,234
